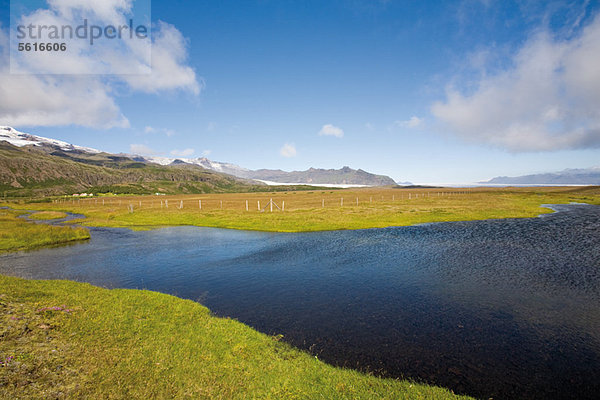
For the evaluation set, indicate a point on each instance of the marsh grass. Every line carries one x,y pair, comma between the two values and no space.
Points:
304,211
72,340
18,234
47,215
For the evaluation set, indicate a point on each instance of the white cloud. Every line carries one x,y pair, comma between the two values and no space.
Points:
151,130
141,150
206,153
413,122
548,99
288,150
211,126
331,130
169,53
182,153
54,100
107,10
50,101
84,99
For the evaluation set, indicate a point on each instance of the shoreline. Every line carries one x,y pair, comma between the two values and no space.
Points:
88,338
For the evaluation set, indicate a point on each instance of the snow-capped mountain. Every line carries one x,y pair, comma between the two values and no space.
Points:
204,162
344,177
21,139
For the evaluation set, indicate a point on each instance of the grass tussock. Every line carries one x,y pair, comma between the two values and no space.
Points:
71,340
17,234
47,215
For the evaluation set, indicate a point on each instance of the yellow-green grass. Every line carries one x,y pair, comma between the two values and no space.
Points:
304,211
17,234
47,215
72,340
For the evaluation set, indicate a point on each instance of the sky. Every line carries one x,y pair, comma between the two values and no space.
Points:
422,91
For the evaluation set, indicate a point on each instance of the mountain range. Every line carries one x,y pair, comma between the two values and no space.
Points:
343,177
35,165
585,176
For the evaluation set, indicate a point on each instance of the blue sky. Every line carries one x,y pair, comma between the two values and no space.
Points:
426,91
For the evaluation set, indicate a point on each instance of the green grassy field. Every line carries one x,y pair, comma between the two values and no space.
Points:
320,209
71,340
18,234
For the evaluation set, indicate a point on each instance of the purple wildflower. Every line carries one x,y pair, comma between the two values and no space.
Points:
6,361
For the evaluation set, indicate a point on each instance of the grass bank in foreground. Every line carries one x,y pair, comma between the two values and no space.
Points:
71,340
320,209
17,234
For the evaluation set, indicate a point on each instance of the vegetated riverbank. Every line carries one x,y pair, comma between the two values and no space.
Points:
74,340
319,210
18,234
47,215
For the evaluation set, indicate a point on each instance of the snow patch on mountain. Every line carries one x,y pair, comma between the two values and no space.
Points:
204,162
158,160
21,139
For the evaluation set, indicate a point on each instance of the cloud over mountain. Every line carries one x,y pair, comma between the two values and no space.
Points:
288,150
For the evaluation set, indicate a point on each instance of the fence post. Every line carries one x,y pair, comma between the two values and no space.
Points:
283,206
200,204
342,202
258,205
246,205
271,203
323,203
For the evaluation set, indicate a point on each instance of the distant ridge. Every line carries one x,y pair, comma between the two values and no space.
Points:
585,176
312,176
316,176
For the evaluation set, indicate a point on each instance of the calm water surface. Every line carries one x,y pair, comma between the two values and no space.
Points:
503,309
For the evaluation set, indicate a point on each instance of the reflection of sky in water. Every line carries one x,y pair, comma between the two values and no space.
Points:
504,308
